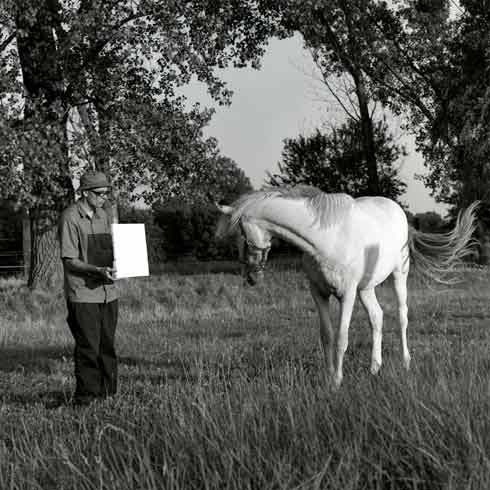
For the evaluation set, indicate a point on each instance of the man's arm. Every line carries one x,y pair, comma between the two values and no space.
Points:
69,244
77,265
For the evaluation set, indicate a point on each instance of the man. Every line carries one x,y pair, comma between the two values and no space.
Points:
92,296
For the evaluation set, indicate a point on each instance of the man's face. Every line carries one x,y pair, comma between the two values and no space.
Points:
97,197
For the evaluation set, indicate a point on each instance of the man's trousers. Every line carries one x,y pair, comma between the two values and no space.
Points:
93,326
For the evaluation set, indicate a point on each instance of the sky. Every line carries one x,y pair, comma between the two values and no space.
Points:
283,100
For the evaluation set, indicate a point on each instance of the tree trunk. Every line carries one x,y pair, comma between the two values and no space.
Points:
368,144
45,116
101,159
97,150
484,253
46,270
26,243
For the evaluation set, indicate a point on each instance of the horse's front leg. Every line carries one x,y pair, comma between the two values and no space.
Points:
346,306
322,302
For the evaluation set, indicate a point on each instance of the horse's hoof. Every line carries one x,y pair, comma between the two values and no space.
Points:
375,367
406,362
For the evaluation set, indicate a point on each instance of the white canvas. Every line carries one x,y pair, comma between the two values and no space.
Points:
130,253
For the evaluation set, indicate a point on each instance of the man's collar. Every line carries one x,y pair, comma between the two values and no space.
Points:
84,209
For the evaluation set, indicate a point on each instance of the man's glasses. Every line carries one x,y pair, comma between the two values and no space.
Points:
100,193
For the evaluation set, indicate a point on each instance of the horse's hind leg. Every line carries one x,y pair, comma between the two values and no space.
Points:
375,313
400,284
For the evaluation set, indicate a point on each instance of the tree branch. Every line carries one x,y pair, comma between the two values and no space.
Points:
404,91
329,87
409,61
95,50
347,91
7,41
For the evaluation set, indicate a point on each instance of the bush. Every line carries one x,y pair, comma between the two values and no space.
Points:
178,231
189,231
154,234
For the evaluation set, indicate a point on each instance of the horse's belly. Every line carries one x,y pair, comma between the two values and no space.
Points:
327,277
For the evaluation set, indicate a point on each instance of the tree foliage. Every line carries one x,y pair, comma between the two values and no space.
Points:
460,164
226,182
95,84
108,73
433,68
340,41
188,226
421,61
428,222
336,162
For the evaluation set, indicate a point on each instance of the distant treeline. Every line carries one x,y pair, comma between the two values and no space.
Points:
180,231
429,222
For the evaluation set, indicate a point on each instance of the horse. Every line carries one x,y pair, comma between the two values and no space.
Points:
350,246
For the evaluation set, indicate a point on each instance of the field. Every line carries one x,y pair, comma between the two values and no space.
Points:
222,387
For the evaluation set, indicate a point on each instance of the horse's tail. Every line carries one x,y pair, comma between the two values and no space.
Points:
435,255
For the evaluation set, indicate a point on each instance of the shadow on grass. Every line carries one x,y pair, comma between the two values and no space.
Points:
27,359
25,376
49,399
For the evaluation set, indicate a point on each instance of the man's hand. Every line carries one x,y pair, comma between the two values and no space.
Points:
108,273
77,265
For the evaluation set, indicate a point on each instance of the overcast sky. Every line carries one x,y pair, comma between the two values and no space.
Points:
282,100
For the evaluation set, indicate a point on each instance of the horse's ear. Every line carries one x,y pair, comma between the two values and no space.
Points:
224,209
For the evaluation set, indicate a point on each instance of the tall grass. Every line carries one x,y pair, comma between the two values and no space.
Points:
223,386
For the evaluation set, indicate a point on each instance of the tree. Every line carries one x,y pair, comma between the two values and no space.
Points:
189,224
225,181
428,222
336,162
96,75
424,63
340,40
460,163
433,69
129,213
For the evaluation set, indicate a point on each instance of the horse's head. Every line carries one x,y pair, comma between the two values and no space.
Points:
253,249
254,243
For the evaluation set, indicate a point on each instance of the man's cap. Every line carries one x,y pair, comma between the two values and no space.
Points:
92,180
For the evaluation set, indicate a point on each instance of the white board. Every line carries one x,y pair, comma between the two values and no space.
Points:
130,253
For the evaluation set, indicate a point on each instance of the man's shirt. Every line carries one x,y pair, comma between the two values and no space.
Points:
87,237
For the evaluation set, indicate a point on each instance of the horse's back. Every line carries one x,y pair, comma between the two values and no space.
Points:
382,215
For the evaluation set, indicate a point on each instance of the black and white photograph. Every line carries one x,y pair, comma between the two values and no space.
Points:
244,244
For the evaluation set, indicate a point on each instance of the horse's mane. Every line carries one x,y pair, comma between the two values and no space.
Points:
327,209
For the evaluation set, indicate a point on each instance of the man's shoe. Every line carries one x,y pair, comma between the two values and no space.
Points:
83,400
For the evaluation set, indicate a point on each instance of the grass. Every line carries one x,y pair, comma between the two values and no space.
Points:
222,386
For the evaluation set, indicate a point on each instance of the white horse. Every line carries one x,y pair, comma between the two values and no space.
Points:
350,246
